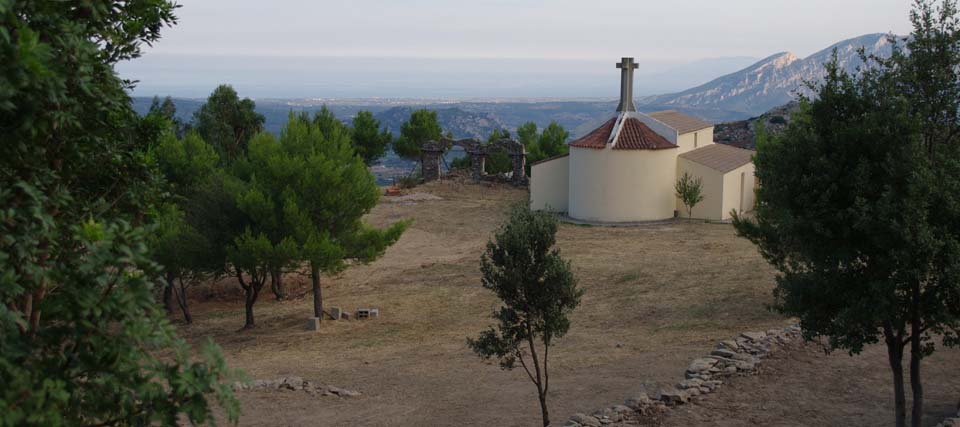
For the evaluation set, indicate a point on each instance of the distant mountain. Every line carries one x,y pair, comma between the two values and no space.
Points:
771,82
743,133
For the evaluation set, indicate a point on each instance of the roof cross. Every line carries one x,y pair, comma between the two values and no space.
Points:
626,66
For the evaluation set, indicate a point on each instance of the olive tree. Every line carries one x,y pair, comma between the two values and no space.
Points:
690,191
860,201
538,290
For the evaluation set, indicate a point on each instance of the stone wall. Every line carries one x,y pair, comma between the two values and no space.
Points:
432,156
738,356
294,384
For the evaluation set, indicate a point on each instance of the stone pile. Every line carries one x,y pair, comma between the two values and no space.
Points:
740,356
294,384
951,422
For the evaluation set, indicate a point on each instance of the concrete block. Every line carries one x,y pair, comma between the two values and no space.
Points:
313,324
368,313
336,313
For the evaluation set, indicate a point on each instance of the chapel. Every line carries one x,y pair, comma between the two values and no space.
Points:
625,171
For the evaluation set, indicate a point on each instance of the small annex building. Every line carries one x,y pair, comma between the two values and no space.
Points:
626,169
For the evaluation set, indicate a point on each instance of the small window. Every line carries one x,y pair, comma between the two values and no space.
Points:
695,142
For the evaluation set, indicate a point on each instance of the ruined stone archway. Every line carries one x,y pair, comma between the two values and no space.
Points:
432,156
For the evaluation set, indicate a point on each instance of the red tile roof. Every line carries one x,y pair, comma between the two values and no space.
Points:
635,135
596,138
638,136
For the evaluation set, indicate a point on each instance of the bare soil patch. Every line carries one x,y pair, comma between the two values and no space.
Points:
656,297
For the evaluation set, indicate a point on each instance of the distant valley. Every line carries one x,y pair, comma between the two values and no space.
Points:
750,92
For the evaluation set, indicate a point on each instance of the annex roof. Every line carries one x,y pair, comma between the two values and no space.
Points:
719,157
683,123
632,134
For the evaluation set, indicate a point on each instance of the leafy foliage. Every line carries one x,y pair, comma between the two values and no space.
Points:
551,142
227,122
421,127
498,161
538,290
167,111
690,191
80,330
305,194
328,123
369,141
186,162
858,207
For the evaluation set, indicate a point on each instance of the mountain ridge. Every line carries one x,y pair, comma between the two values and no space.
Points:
770,82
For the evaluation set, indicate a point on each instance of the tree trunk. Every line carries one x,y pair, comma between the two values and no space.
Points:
916,353
317,292
276,284
251,290
543,410
182,302
168,293
916,414
251,298
895,357
541,392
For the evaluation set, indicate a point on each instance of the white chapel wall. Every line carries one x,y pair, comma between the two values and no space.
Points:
711,207
692,140
731,190
609,185
549,185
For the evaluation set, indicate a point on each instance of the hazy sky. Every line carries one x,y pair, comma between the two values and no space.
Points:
662,33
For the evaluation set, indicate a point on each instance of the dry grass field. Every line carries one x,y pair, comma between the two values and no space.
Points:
656,297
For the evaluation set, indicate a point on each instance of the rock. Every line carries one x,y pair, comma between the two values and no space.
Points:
672,396
585,420
341,392
722,352
638,401
621,409
730,344
713,385
951,422
730,370
745,366
604,413
700,365
292,383
754,336
690,383
571,423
